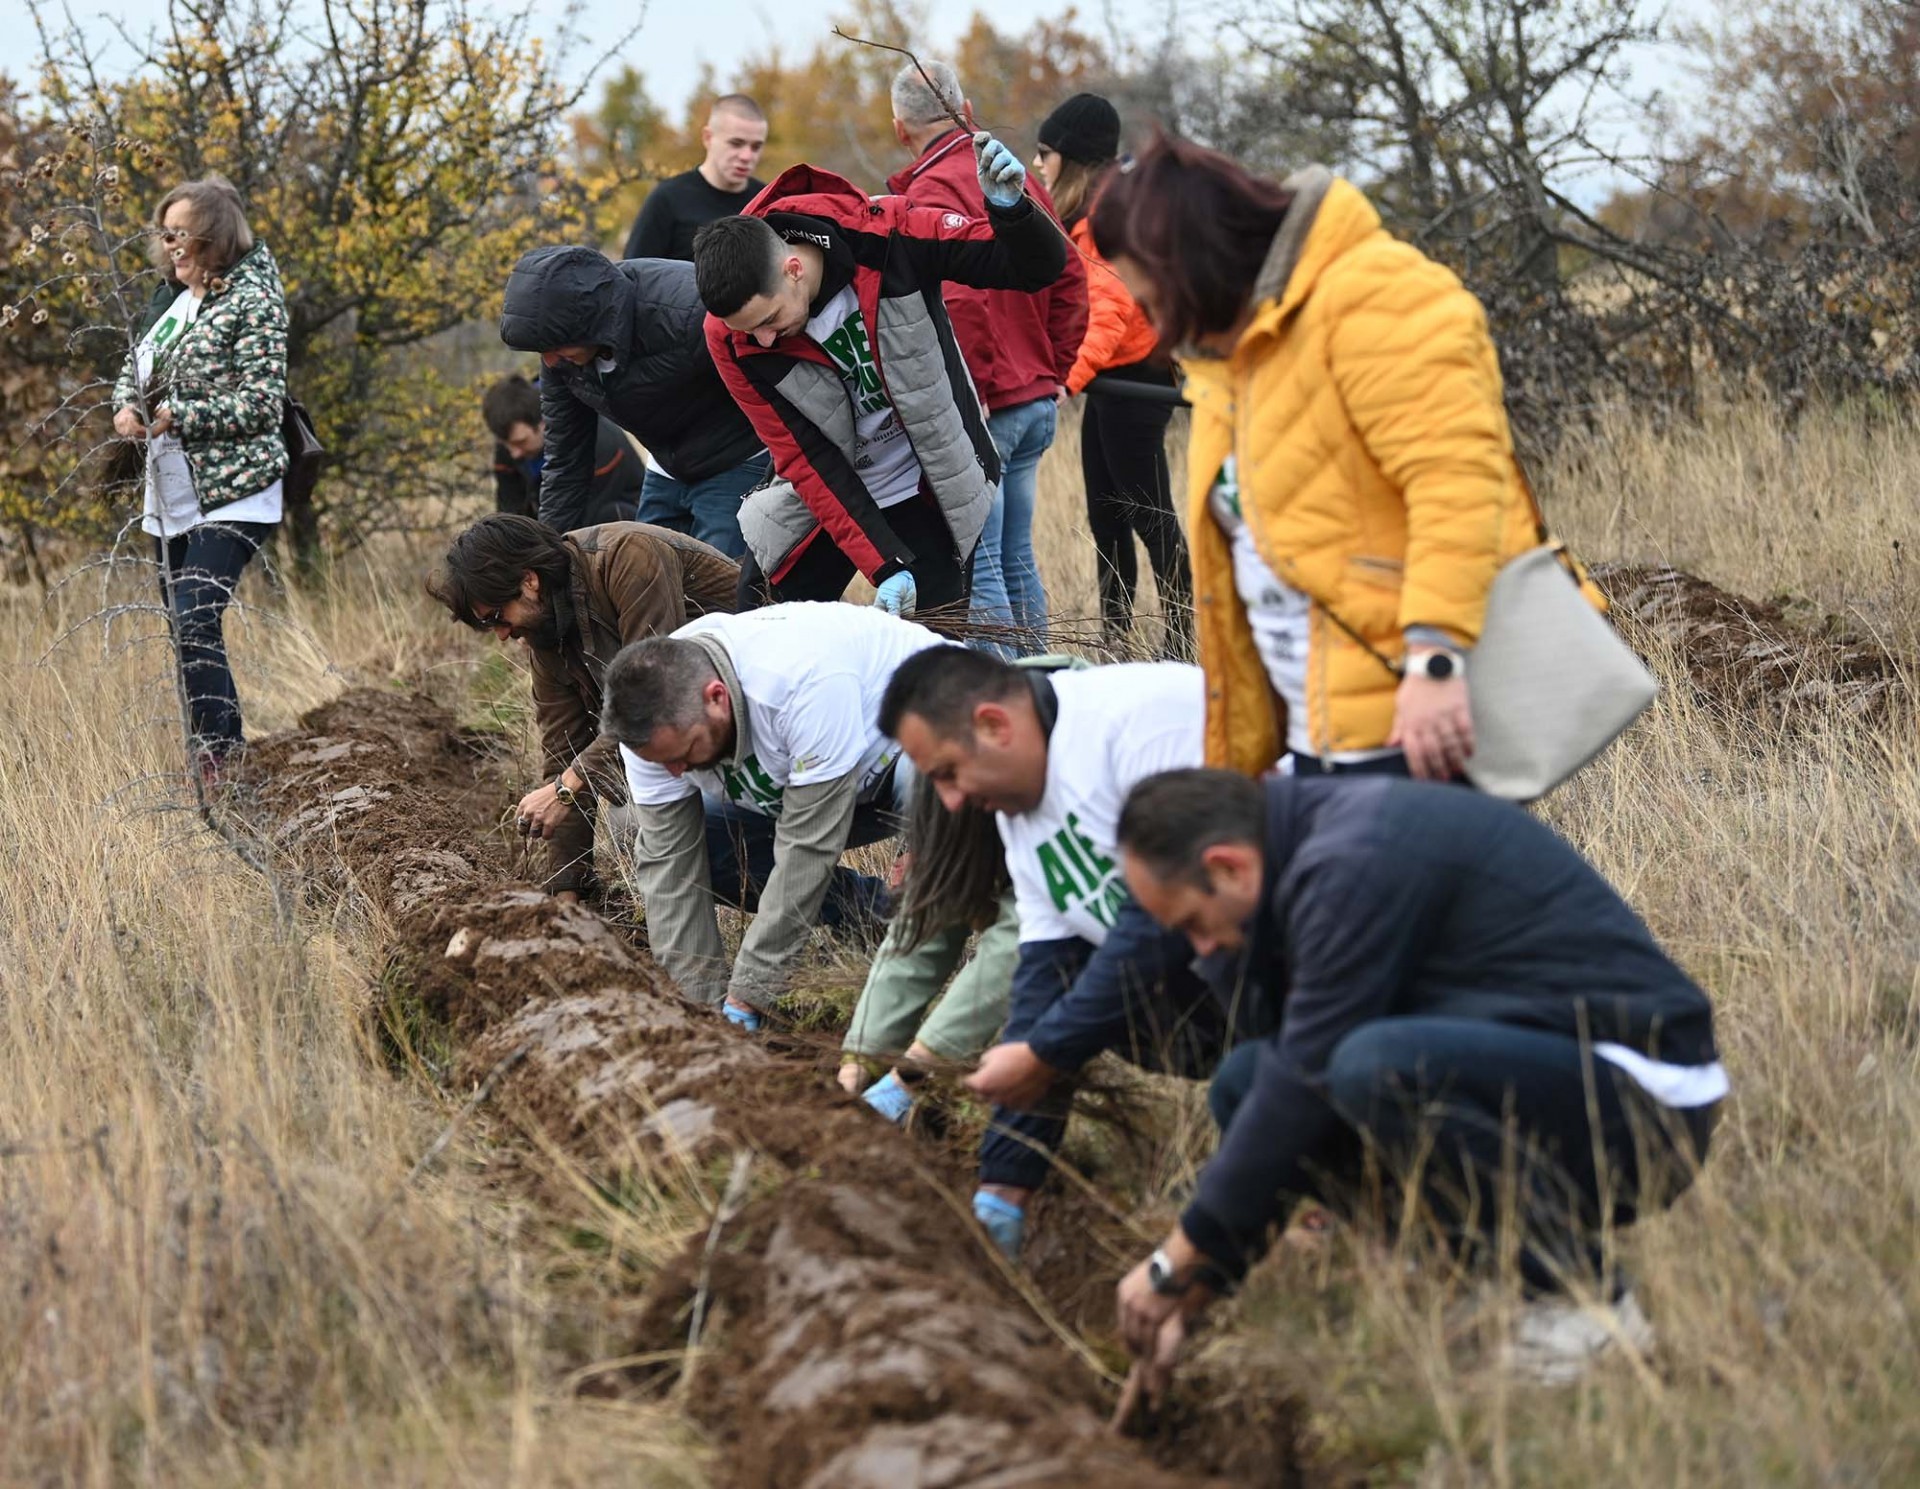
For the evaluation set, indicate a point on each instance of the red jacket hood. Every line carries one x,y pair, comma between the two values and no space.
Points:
807,188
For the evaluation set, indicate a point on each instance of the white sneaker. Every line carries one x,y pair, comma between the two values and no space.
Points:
1556,1341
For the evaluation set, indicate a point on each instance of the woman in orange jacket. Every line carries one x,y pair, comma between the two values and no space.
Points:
1123,454
1352,483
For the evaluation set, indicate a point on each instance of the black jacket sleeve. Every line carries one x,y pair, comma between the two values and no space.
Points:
566,482
1357,932
1026,249
1097,1012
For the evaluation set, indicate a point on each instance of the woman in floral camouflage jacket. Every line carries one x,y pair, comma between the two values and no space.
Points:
204,388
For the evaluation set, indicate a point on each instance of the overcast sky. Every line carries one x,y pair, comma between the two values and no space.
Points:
676,36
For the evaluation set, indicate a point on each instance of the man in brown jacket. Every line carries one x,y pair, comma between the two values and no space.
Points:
575,600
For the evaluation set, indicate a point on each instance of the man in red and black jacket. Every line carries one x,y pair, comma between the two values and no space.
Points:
1019,347
827,325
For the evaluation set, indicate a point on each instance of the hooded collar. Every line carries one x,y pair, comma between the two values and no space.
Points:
1329,217
564,295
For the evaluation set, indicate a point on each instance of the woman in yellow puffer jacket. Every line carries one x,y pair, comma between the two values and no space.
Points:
1352,483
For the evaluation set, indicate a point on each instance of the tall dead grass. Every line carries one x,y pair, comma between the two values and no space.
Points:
1783,869
217,1268
220,1274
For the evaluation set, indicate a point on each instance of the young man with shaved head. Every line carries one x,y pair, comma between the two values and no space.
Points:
722,184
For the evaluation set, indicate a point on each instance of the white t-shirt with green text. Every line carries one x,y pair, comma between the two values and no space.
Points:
813,674
882,454
1116,726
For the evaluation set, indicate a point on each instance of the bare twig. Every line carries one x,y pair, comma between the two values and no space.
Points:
734,1196
439,1145
918,66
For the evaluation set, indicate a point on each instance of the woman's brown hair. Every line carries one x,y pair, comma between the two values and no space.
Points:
1075,188
219,222
1199,225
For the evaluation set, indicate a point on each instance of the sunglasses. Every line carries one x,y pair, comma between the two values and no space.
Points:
486,620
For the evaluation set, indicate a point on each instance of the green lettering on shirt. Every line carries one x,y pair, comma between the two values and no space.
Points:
751,781
1060,884
1102,865
854,357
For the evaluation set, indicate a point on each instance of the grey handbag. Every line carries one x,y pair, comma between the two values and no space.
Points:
1551,683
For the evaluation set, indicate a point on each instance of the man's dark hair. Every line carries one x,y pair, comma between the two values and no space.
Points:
734,259
1171,819
1199,224
512,400
484,565
943,685
654,684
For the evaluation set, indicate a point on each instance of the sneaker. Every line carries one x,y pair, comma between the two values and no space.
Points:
1556,1341
1005,1222
746,1018
890,1097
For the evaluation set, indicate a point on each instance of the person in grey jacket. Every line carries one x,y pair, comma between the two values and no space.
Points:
1442,988
752,738
628,341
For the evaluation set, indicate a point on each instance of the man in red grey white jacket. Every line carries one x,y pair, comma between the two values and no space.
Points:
1020,348
827,324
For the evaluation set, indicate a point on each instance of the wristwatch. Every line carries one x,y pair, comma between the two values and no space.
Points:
564,793
1162,1277
1168,1283
1436,666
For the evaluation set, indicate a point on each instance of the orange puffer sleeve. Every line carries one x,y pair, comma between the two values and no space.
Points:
1118,332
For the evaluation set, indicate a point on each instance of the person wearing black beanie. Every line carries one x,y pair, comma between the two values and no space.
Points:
1123,454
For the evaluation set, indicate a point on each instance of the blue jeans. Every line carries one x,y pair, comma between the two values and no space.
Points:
199,571
708,510
1449,1103
740,859
1006,581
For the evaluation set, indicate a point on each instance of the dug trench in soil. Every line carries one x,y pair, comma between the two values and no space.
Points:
858,1333
1746,656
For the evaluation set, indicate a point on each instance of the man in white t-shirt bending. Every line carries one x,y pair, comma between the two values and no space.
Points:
1053,757
758,724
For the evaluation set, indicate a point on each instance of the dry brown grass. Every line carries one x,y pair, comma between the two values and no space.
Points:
199,1120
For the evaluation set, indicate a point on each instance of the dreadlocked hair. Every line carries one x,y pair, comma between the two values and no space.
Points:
957,873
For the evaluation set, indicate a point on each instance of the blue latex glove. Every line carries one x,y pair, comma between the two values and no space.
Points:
1005,1222
890,1097
1002,177
746,1018
898,595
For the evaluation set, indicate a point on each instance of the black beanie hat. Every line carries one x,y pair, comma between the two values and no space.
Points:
1085,128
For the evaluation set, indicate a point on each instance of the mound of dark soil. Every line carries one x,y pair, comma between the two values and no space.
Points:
1746,656
858,1332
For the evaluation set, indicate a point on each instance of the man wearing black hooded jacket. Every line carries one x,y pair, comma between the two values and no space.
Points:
628,341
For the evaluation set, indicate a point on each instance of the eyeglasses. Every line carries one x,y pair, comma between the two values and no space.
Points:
488,619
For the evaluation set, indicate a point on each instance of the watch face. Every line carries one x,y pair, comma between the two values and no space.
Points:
1439,666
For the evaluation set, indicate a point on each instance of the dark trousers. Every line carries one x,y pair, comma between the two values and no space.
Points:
1174,1025
942,583
1474,1113
740,861
199,571
1123,457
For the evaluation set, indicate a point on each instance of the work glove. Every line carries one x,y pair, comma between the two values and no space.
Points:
897,596
1004,1221
890,1097
738,1013
1002,177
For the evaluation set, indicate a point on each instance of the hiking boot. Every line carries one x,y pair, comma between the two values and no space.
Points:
1556,1341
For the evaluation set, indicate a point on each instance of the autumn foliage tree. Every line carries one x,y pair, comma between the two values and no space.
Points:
397,155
